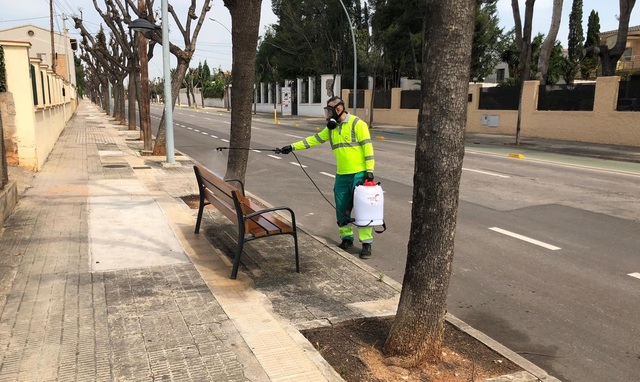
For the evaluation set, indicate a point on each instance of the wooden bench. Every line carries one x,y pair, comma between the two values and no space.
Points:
252,221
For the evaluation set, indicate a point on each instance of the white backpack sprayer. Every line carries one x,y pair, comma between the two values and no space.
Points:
368,198
368,205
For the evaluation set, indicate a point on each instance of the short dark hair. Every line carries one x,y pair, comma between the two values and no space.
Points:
335,98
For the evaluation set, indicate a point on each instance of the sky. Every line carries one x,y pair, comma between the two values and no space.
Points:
214,41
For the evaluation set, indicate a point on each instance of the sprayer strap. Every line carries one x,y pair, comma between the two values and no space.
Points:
384,228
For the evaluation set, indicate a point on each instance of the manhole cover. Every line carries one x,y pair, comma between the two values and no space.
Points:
115,165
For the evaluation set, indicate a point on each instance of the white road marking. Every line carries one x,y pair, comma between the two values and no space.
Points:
274,156
196,130
190,128
205,133
327,174
256,151
298,164
225,140
486,173
634,274
213,136
525,238
255,128
294,136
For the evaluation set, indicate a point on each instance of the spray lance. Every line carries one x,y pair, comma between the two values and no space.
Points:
368,197
276,150
368,202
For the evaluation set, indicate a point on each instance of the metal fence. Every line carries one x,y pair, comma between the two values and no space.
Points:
500,98
382,99
410,99
359,99
629,95
566,97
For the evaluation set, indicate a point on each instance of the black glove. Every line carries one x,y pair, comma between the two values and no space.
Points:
286,149
369,175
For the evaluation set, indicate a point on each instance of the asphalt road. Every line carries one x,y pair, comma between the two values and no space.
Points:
547,257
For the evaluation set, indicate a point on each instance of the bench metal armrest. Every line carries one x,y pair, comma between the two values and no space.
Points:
238,181
273,209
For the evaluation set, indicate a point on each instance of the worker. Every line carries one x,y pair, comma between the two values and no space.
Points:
352,147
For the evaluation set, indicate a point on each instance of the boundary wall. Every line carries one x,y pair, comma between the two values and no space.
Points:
36,107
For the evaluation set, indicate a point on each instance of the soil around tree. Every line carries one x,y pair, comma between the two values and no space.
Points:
354,350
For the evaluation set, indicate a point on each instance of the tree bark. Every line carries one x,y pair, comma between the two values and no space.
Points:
549,42
417,332
524,44
160,145
131,99
610,57
245,17
4,173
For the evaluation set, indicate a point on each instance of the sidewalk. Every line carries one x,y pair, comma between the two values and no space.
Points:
103,279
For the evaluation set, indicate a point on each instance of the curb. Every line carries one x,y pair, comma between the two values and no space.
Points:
388,308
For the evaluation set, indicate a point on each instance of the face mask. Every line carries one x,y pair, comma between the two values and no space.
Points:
331,112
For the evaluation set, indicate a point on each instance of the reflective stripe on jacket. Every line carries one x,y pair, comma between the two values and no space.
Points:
350,142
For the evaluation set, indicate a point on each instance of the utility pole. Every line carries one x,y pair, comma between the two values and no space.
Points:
66,47
145,106
53,48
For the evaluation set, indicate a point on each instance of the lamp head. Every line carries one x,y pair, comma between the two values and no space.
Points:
143,25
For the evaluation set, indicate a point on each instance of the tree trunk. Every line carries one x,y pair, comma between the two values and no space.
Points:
4,174
245,16
610,57
131,99
145,102
549,43
160,145
524,66
417,332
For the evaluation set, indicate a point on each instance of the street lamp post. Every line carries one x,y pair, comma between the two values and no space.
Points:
227,87
143,25
224,26
355,59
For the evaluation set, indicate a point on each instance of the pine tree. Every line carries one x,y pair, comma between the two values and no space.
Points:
591,60
575,40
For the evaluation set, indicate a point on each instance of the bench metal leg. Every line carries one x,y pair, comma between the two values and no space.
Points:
236,260
295,241
200,210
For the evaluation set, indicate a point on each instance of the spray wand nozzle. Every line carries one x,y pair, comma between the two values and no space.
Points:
276,150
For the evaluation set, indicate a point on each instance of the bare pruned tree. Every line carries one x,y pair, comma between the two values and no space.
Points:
549,42
189,32
418,329
609,57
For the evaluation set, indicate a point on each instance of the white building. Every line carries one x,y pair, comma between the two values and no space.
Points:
40,40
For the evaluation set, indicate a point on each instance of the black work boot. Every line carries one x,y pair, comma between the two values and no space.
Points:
346,244
366,251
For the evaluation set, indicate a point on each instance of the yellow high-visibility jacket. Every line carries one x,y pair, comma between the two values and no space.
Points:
350,142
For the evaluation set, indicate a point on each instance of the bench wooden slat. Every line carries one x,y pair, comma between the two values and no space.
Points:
225,197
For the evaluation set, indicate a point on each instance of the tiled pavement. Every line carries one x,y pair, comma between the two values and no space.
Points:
102,278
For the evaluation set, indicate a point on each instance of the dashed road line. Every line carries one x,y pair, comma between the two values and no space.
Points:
298,164
486,173
204,133
256,151
327,174
225,140
196,130
213,136
634,274
294,136
525,238
274,156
